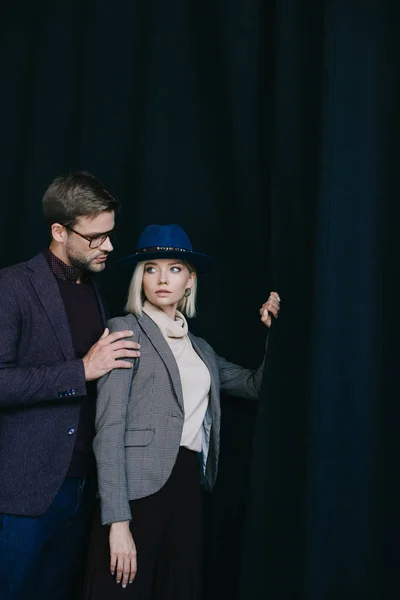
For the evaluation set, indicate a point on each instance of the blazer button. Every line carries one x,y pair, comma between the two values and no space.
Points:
71,431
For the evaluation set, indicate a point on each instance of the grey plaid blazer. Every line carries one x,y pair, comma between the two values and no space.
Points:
140,415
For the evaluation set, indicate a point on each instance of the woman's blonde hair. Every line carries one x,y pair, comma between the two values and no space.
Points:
136,297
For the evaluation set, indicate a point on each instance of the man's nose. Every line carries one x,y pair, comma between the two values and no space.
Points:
107,245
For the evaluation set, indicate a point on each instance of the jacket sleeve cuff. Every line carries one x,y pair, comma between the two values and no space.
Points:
81,381
115,512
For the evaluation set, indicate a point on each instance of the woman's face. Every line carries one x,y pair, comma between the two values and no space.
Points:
165,281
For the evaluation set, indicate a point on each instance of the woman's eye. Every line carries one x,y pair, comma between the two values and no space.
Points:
150,270
176,269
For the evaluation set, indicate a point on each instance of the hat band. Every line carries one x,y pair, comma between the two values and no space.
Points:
160,248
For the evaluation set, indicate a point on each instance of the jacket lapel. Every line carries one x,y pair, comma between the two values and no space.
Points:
47,290
208,357
162,348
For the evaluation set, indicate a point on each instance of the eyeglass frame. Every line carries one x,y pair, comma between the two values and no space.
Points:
91,238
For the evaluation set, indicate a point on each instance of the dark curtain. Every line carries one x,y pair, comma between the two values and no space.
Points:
323,511
269,131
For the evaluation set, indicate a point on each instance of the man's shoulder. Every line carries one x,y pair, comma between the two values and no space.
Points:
13,271
20,270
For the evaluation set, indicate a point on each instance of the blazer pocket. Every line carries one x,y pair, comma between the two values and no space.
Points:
138,437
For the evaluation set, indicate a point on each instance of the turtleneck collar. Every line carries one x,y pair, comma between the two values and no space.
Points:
169,328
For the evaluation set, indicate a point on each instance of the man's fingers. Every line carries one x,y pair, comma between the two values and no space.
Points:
123,364
126,354
105,333
117,335
125,344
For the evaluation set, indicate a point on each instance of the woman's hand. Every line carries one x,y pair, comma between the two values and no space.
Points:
271,307
122,553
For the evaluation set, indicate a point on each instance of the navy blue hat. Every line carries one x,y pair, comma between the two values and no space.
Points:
167,241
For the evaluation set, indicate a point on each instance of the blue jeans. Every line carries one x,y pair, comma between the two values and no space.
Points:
42,558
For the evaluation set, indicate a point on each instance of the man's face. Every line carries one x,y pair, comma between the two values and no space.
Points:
77,250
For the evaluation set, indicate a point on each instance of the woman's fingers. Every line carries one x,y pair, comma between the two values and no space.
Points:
266,318
120,569
133,568
122,553
126,570
271,307
113,563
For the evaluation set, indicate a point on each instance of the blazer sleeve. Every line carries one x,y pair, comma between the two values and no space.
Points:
24,386
113,392
238,381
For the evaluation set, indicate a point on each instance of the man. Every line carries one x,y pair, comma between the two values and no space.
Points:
53,348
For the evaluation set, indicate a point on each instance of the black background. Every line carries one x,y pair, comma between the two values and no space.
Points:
269,131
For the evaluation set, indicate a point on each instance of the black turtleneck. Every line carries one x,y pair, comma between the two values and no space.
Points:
86,326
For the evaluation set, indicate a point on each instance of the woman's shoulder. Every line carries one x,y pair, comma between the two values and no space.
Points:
128,321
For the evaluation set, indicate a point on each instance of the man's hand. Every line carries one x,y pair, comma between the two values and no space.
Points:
271,307
102,356
122,553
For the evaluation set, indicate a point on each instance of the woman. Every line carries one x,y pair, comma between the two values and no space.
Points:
153,423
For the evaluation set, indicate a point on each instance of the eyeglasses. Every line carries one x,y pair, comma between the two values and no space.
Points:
95,241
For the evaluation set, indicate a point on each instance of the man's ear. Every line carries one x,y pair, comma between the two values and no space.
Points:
58,232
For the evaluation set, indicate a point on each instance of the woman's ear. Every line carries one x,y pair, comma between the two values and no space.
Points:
191,280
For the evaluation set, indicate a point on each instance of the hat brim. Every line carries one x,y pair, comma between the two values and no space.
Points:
201,262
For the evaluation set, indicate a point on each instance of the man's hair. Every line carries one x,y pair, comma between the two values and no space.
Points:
77,194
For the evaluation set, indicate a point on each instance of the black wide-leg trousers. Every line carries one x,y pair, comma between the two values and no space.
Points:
167,530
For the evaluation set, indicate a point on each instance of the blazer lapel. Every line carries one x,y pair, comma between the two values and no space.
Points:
209,360
47,290
162,348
